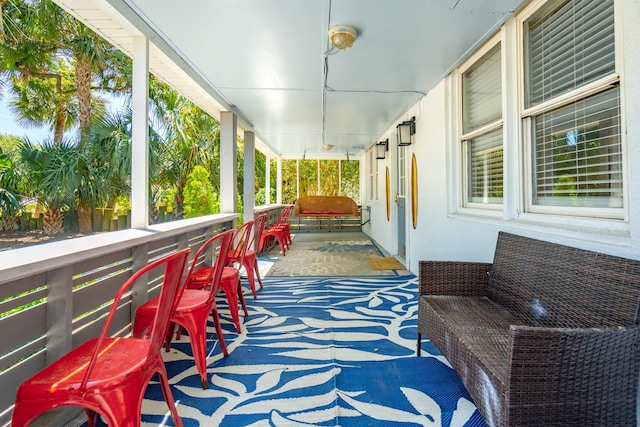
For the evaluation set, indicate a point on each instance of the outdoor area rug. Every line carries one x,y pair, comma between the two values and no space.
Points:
384,263
322,352
323,259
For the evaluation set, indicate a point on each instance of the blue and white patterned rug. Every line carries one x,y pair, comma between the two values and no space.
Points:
325,352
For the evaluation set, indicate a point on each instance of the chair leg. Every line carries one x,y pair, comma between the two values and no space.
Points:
170,329
168,397
419,344
216,323
249,267
92,417
232,300
241,297
196,325
257,270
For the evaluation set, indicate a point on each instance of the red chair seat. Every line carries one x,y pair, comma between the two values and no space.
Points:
120,359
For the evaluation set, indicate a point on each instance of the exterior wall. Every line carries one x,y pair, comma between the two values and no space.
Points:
445,232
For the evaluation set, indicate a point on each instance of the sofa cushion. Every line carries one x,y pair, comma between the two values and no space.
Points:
326,205
481,325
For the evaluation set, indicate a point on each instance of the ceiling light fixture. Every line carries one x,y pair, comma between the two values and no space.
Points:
342,36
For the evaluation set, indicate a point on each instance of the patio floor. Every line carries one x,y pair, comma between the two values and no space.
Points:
318,351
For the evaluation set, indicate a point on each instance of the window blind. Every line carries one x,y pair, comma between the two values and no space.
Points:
568,48
482,92
578,154
485,166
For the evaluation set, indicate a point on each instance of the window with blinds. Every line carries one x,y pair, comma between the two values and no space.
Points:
482,92
482,129
578,154
577,159
485,180
569,47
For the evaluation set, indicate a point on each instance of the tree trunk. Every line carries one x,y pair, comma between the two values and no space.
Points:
83,88
52,222
84,218
58,126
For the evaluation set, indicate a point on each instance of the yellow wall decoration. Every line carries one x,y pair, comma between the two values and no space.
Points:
414,192
388,195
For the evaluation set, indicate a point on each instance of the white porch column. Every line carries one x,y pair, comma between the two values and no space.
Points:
267,179
249,183
279,181
297,179
140,135
228,162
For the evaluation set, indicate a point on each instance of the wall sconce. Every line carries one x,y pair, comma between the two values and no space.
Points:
381,149
405,132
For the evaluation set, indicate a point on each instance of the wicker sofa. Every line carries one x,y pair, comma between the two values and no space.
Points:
545,335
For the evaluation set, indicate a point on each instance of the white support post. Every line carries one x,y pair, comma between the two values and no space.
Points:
59,313
279,181
228,162
249,183
140,135
267,179
339,177
318,173
297,179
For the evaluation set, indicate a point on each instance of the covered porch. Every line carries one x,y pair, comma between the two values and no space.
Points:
270,75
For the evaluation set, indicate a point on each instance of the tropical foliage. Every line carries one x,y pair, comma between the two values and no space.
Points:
57,73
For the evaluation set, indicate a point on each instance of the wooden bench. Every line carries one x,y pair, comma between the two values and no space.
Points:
326,213
545,335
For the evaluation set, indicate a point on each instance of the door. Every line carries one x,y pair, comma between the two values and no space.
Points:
401,201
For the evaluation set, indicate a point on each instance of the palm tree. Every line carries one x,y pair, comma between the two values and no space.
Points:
43,162
37,102
111,145
55,64
9,187
192,138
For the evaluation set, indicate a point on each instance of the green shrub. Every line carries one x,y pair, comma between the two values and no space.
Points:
199,197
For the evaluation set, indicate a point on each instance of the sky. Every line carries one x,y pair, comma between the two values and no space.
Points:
9,126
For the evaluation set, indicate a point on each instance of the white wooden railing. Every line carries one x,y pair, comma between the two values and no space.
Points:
54,296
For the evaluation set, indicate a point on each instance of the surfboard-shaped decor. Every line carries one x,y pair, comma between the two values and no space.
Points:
388,195
414,192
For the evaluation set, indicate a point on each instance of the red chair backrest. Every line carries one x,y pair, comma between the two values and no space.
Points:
242,239
258,228
173,269
222,242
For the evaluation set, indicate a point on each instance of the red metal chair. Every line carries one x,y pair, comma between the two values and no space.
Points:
250,260
230,280
106,375
281,231
194,306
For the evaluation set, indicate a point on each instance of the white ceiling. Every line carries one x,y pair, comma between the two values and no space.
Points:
265,59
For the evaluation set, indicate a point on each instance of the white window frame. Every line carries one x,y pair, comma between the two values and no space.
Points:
527,114
463,139
373,175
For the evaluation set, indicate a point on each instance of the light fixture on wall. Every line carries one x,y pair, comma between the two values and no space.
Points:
327,147
381,149
342,36
406,130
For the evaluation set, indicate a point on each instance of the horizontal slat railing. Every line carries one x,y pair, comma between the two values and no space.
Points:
55,296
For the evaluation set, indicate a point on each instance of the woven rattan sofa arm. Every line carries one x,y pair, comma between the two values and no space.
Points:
561,376
453,278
